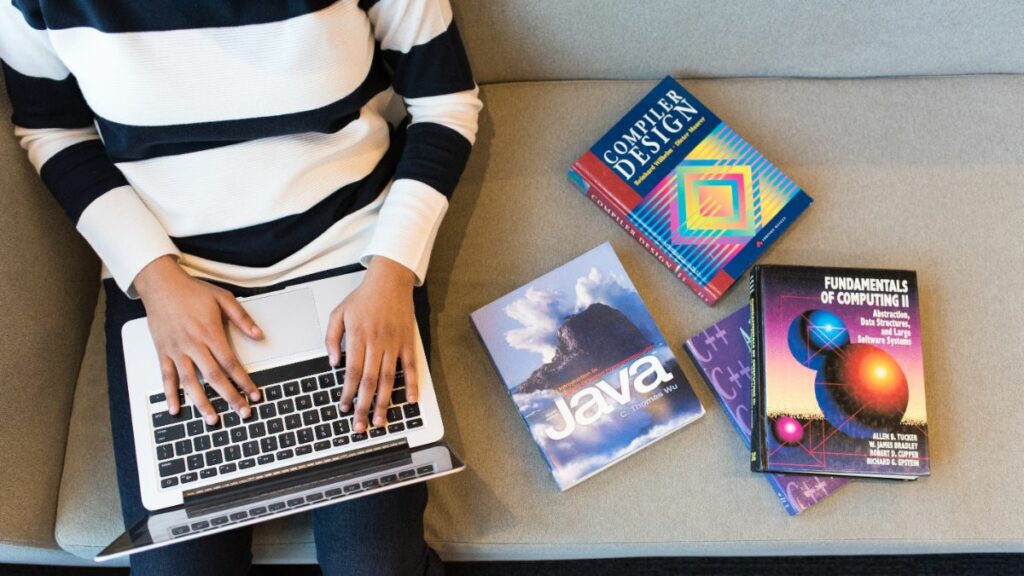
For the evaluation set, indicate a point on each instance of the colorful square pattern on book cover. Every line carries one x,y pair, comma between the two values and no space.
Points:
686,185
722,354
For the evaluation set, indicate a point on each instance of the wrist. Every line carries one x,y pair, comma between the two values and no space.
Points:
387,270
155,274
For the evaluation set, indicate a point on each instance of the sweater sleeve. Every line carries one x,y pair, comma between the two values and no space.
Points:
57,129
421,45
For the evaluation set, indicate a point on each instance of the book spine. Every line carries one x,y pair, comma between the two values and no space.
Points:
592,188
757,433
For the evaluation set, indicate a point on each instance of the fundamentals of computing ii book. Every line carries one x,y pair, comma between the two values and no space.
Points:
722,354
689,189
838,384
586,366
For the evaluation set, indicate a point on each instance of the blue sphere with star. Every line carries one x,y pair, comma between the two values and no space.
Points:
816,334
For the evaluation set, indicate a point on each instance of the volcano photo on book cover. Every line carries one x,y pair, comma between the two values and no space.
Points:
587,367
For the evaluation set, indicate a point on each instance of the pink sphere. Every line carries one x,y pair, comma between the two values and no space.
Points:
789,430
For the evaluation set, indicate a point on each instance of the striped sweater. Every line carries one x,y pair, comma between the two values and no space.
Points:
254,141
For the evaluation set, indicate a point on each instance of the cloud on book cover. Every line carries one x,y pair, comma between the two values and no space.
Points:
541,312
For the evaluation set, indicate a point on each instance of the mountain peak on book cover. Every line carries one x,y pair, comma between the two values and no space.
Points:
689,189
587,367
840,372
722,354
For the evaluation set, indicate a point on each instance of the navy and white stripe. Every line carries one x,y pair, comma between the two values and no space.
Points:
250,139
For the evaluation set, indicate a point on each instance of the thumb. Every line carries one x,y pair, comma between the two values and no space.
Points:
239,317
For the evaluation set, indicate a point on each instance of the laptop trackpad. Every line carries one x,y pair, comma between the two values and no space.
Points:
290,326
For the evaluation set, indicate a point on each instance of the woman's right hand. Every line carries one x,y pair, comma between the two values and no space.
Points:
187,320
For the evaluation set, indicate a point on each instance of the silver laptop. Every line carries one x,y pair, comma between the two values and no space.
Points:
296,452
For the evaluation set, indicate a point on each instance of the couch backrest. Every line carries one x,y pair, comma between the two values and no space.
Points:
513,40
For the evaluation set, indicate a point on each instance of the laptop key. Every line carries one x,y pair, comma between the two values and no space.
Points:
321,398
292,421
201,525
303,450
220,438
166,419
414,423
232,453
157,398
239,516
257,430
219,521
183,447
275,426
322,445
340,440
351,488
406,474
214,427
286,440
303,403
411,410
251,448
310,417
333,493
389,479
340,427
276,506
286,406
169,482
308,384
268,411
179,530
190,477
195,427
326,380
176,432
202,443
336,394
220,405
214,457
373,483
284,454
398,396
377,432
291,388
305,435
265,459
273,393
359,437
247,463
323,431
394,414
231,419
258,511
269,444
314,497
171,467
293,502
195,461
207,473
425,469
396,427
328,413
227,468
239,435
164,451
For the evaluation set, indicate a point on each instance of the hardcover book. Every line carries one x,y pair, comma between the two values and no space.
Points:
722,354
586,366
689,189
838,373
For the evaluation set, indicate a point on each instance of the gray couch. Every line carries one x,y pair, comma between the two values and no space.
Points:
905,121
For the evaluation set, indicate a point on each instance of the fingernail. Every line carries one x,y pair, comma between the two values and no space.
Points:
244,411
344,407
173,410
333,360
360,427
211,419
256,331
254,396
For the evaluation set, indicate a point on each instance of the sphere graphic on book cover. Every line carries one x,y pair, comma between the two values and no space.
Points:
860,388
788,430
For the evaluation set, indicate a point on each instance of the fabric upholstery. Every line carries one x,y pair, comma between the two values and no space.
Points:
48,283
922,173
517,40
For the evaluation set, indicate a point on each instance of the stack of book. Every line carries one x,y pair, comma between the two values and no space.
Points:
822,375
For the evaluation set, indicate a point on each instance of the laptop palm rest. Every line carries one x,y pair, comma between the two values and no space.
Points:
258,502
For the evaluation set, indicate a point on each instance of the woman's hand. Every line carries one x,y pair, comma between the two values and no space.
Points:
379,325
186,318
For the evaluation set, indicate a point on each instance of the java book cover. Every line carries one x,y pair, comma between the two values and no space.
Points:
689,189
838,372
722,354
587,367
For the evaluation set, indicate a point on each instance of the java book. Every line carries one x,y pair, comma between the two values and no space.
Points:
838,373
689,189
722,355
586,366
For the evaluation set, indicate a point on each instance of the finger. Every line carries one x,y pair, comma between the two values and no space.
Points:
237,315
367,385
335,330
354,353
225,356
384,385
410,368
170,378
215,375
187,373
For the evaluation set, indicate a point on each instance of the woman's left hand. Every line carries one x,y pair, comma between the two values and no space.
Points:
379,325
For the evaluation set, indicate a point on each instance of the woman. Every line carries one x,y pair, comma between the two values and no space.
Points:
210,150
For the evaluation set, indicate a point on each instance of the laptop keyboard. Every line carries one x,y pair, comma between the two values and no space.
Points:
298,414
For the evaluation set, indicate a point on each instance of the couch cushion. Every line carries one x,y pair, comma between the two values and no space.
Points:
917,173
517,40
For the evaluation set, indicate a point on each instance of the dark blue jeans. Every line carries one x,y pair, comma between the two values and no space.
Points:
378,535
